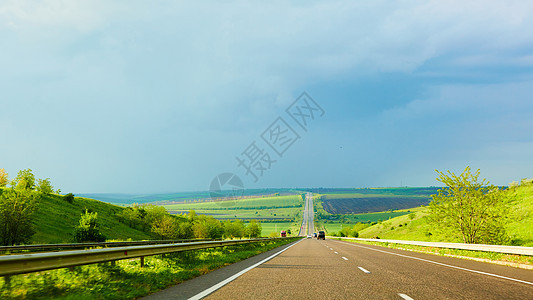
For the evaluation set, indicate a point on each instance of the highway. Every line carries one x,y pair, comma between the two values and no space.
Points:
308,220
332,269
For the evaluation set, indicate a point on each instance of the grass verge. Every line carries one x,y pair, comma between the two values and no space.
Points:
125,279
521,261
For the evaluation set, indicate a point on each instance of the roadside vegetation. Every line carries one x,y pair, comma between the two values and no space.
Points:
125,279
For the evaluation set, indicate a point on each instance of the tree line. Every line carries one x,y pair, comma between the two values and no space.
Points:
165,226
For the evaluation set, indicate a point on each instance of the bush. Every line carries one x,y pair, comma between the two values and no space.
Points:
87,230
69,197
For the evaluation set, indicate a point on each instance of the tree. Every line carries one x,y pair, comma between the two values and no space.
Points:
473,208
88,230
3,177
25,180
166,227
69,197
45,186
233,229
207,227
16,211
253,229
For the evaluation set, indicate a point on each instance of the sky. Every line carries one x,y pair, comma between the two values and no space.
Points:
164,96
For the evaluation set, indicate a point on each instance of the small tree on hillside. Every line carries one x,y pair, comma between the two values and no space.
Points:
473,208
45,186
3,177
87,230
166,228
16,213
25,180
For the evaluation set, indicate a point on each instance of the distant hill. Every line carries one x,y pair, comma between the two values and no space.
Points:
128,199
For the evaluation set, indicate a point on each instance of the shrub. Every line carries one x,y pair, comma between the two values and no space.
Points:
69,197
87,230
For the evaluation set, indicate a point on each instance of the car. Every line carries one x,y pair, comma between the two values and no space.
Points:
321,235
314,235
309,236
283,233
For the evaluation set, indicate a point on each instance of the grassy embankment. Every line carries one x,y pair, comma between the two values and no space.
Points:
126,279
519,227
55,220
275,213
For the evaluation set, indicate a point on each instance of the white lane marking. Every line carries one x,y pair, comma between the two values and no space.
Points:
344,258
336,252
330,248
364,270
445,265
231,278
404,296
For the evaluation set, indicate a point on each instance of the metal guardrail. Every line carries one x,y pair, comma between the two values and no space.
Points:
519,250
27,263
88,245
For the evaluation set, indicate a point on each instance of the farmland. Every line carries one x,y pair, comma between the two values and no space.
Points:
357,201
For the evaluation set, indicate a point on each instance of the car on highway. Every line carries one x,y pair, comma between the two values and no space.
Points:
283,233
309,236
321,235
314,235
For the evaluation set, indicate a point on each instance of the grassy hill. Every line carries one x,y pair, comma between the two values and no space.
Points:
520,227
55,220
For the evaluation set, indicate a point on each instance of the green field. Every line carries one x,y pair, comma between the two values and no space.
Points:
278,227
265,209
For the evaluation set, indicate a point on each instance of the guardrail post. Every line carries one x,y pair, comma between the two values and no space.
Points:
142,261
7,280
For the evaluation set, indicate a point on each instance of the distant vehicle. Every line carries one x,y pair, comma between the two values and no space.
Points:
314,235
321,235
308,236
283,233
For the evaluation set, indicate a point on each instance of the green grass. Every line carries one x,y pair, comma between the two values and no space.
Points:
126,279
55,220
268,228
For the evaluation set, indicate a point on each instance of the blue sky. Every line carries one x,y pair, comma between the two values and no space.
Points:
125,96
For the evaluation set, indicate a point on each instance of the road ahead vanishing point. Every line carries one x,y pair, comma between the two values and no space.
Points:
331,269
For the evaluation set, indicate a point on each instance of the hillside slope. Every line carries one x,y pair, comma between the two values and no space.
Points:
56,219
520,228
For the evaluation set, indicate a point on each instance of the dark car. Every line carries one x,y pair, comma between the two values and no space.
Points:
314,235
321,235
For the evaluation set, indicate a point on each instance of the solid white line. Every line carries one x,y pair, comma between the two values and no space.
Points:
231,278
344,258
364,270
446,265
404,296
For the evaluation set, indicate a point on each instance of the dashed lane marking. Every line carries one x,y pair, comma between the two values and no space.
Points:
364,270
404,296
344,258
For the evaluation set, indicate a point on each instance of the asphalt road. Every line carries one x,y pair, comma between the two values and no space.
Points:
332,269
308,221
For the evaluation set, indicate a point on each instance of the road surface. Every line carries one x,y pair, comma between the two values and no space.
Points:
330,269
308,227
